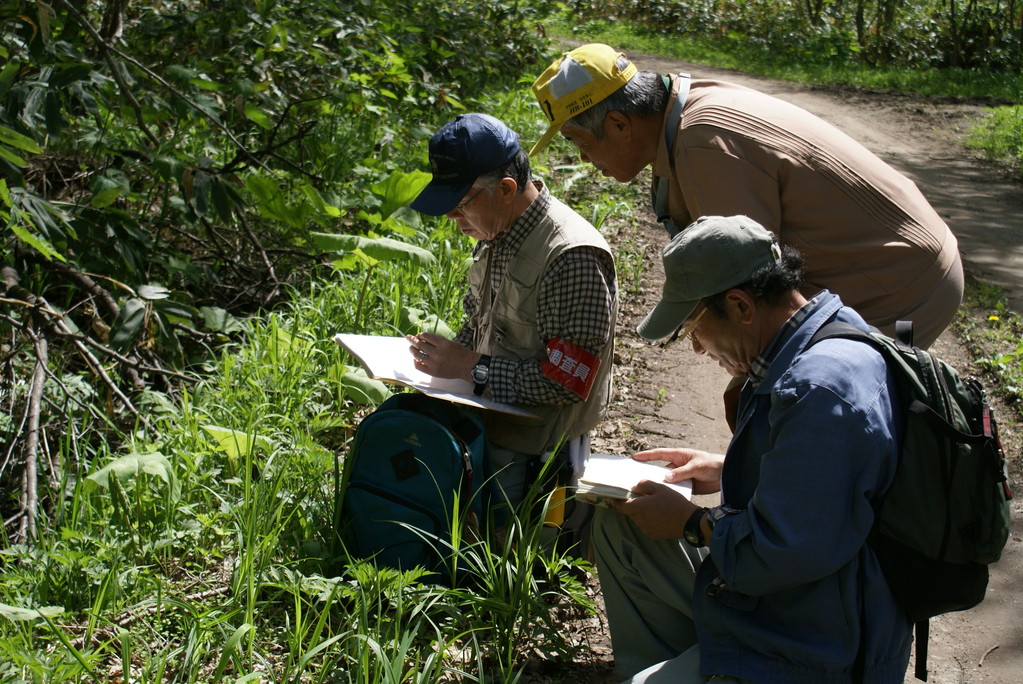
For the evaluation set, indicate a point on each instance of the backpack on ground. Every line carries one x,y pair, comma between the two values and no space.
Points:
417,467
945,517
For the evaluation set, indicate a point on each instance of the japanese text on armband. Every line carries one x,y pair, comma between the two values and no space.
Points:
570,366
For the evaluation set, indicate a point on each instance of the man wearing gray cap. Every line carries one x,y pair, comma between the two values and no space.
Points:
541,306
776,584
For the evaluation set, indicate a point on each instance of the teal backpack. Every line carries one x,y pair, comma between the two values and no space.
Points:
417,466
945,517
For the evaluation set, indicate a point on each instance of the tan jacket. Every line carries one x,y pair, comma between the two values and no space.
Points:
865,230
509,329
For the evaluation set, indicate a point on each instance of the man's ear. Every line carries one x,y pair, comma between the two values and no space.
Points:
505,189
618,126
741,305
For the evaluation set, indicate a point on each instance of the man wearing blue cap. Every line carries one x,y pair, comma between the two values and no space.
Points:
541,306
776,585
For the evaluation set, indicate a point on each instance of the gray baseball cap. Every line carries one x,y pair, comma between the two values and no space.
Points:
713,254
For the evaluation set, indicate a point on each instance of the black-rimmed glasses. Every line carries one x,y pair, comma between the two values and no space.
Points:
686,329
460,208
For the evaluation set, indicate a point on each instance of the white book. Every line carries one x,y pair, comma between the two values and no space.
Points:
608,477
388,359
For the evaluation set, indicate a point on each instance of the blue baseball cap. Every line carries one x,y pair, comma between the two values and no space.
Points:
467,147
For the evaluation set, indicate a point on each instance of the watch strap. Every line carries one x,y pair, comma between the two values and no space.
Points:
692,532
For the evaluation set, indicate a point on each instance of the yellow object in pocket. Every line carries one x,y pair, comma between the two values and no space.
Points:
555,516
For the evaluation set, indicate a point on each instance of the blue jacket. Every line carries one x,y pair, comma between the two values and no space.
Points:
790,588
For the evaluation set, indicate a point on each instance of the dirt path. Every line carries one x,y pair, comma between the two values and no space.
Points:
672,397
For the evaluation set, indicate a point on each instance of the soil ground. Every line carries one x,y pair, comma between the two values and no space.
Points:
671,397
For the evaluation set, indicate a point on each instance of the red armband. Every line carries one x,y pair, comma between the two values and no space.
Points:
570,366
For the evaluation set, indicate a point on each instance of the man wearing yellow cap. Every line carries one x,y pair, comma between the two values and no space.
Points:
865,230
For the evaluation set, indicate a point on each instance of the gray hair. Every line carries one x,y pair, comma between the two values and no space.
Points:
644,95
518,169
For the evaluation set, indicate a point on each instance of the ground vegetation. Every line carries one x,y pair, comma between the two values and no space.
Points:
195,196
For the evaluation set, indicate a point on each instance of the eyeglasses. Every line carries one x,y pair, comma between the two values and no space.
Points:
460,208
686,329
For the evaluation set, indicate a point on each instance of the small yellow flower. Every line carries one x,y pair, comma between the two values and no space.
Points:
994,319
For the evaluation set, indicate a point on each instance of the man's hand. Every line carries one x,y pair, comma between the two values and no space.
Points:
658,511
440,357
702,467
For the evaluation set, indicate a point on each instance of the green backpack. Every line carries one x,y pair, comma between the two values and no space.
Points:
945,517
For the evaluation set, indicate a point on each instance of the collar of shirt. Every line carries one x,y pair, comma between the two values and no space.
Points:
758,369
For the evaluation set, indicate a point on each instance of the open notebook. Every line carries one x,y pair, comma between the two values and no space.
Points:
387,359
608,477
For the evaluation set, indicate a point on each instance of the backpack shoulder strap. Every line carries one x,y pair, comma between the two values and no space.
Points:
903,340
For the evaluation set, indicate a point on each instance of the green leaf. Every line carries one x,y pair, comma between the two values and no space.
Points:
381,249
230,647
235,443
11,157
16,614
257,116
36,242
220,320
128,325
18,140
133,466
206,84
399,189
414,320
363,389
201,183
105,198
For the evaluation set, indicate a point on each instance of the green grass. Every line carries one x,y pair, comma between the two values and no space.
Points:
994,335
204,551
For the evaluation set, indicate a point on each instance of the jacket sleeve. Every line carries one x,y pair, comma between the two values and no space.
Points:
831,449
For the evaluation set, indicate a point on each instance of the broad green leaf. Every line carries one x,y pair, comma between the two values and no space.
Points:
414,320
130,467
223,198
316,199
257,116
105,198
16,614
381,249
399,189
363,389
206,84
128,325
235,443
8,73
18,140
220,320
36,242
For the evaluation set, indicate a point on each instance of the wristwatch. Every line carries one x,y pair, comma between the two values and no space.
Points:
480,372
691,532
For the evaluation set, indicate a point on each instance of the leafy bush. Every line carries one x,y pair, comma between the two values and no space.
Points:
978,35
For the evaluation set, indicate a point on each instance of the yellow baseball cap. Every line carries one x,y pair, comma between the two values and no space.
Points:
575,82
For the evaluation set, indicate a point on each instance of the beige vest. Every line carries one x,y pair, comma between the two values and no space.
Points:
509,329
